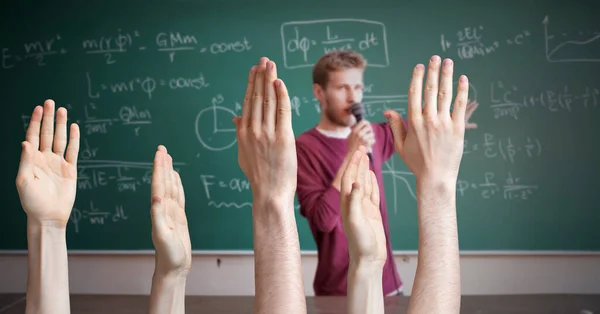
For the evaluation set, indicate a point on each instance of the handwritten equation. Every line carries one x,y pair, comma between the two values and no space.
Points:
304,42
146,85
512,188
508,100
124,176
112,44
95,216
506,148
469,42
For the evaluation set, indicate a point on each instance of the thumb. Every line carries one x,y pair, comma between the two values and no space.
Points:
26,163
356,196
398,128
158,214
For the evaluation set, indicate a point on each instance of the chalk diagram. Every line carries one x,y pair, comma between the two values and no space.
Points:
210,129
571,47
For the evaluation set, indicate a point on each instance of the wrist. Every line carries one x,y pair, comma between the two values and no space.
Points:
366,267
273,206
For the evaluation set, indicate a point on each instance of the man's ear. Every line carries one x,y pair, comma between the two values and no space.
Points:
318,91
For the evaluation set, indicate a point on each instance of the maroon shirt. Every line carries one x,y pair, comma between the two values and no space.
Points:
319,158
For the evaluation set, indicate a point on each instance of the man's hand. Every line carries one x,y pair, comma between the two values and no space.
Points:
361,135
47,176
266,143
432,147
360,212
170,234
267,155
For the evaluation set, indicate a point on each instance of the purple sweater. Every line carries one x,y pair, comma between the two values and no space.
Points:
319,158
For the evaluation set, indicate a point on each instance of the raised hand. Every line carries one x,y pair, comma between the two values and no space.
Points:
432,147
266,143
360,212
47,176
170,234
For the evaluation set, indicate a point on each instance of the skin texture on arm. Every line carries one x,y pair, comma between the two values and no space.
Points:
366,237
432,149
170,236
47,184
267,156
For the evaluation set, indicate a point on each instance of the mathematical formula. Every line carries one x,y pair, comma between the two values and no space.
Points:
302,50
511,188
509,100
146,85
506,148
469,42
110,45
123,176
96,216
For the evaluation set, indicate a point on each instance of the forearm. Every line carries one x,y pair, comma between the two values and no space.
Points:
365,289
278,271
167,295
437,281
48,270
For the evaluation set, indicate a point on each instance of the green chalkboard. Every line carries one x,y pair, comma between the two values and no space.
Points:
135,74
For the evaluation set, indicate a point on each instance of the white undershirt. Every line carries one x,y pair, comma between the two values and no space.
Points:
335,134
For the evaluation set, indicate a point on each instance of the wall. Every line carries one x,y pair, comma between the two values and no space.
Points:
481,275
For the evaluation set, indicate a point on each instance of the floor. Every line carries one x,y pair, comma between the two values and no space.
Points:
518,304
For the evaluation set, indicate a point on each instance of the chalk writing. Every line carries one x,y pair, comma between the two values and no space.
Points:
512,188
368,37
234,184
37,50
147,85
508,101
95,216
505,148
126,116
469,42
109,45
126,176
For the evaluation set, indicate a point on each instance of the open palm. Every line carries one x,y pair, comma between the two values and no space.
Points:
360,211
47,181
170,233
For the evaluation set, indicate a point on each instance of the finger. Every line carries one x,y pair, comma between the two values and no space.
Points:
180,191
445,94
414,93
398,128
363,168
471,125
374,190
256,115
60,136
73,148
162,148
349,175
26,162
356,196
367,183
33,130
284,108
431,87
471,108
47,126
458,115
169,179
247,105
270,102
157,187
158,191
